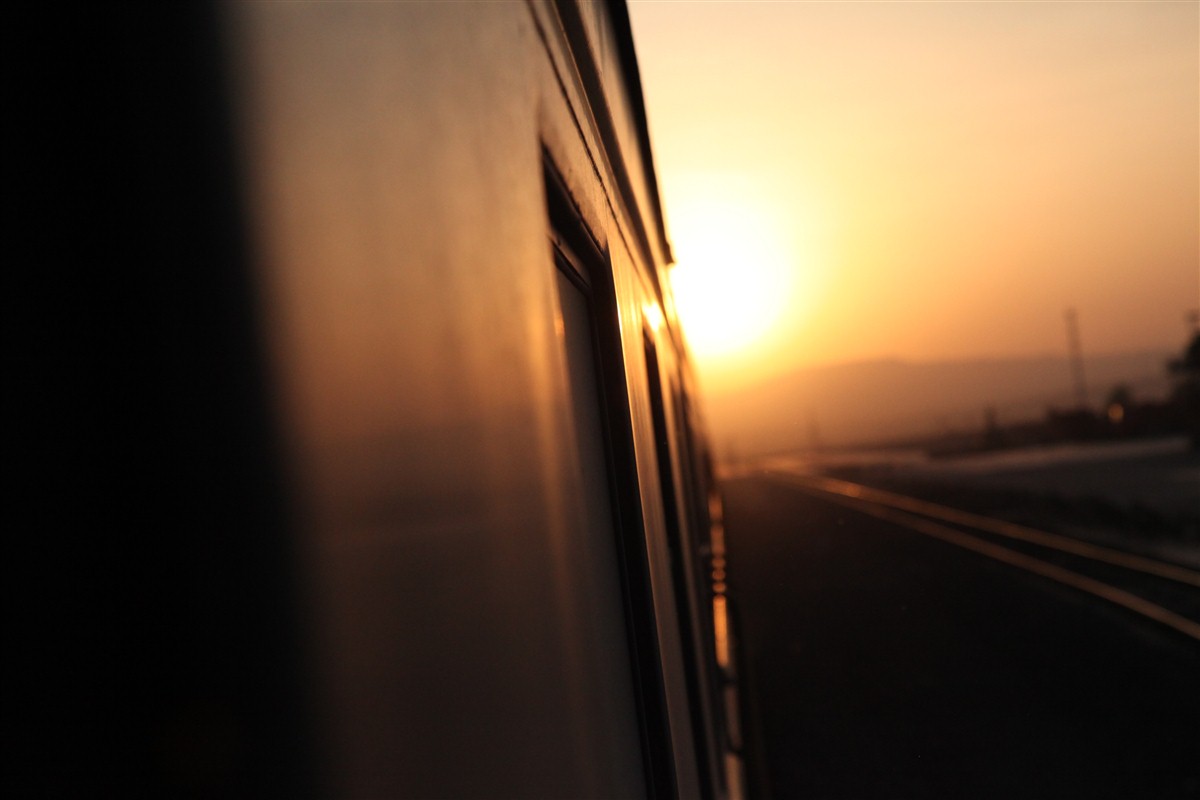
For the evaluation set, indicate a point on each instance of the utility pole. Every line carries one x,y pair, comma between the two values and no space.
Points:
1075,350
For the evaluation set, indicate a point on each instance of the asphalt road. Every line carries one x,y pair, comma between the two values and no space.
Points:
879,663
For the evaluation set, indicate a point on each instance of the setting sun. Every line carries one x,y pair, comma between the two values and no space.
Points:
923,181
734,272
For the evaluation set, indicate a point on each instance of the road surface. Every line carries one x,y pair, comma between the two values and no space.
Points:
881,663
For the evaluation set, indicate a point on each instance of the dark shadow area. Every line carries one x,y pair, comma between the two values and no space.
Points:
152,590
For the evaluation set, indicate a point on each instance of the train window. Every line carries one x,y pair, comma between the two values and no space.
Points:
624,696
596,580
684,573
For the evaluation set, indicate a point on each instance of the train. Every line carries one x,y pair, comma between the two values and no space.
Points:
370,419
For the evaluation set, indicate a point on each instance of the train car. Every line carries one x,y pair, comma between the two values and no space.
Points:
412,498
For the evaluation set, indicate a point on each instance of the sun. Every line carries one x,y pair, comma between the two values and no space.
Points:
732,276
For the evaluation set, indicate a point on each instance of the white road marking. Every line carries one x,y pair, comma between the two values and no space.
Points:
869,502
1011,530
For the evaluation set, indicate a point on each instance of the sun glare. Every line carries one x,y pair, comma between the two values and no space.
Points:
732,279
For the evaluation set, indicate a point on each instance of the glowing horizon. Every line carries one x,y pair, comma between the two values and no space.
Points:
925,181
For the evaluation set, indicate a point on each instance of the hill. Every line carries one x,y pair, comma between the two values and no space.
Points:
886,400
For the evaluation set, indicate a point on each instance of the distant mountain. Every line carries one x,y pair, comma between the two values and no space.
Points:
875,401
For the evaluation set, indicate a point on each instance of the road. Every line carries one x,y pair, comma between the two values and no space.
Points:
881,663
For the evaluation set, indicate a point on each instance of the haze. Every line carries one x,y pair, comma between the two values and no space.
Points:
925,181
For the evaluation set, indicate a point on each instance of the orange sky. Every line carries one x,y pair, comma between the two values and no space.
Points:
925,180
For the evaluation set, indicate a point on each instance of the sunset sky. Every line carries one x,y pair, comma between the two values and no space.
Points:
846,181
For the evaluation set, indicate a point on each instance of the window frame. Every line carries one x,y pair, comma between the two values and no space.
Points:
577,254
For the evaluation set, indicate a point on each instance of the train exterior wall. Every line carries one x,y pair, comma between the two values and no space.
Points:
355,448
466,638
